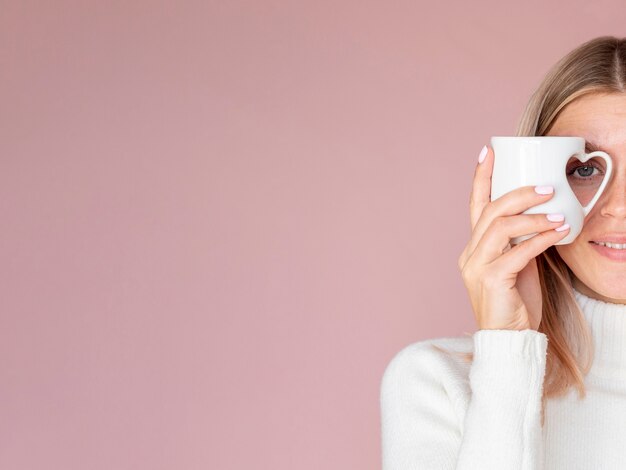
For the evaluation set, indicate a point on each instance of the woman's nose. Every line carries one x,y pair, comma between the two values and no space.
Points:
613,201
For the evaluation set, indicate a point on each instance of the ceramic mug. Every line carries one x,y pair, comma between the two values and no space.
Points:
542,160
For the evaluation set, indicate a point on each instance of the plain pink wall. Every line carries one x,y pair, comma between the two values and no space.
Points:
220,220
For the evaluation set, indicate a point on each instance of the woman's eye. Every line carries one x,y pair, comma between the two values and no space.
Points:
584,172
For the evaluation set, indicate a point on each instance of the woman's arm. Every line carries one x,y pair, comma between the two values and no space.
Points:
501,427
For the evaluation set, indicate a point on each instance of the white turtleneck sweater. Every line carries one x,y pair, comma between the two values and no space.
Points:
438,412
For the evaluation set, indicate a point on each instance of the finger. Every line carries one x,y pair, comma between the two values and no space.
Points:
520,255
512,203
496,240
481,187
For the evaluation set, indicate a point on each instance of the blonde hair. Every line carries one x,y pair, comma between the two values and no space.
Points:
596,66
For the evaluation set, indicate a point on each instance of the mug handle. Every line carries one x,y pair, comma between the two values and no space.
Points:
607,176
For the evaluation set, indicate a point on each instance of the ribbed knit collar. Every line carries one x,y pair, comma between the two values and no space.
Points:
607,322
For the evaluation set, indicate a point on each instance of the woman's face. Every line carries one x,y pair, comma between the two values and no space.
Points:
601,120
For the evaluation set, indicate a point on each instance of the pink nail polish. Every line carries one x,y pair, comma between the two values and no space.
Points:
555,217
544,189
483,154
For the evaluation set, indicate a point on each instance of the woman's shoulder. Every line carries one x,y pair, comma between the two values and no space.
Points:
433,350
434,362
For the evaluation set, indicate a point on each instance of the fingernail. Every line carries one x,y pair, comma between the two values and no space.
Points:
544,189
483,154
555,217
562,227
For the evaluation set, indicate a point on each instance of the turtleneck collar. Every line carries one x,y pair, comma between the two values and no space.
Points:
607,322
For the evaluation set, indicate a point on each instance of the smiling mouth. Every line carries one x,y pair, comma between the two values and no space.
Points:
615,246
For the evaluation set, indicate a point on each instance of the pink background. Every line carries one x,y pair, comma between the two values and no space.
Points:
220,220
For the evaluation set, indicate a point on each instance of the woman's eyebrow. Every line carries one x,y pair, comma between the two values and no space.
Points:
591,146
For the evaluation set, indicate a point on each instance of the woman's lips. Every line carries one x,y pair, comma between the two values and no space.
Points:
611,253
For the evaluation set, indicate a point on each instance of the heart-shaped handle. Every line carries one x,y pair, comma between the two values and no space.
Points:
607,176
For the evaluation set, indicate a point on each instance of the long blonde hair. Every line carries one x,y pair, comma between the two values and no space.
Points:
596,66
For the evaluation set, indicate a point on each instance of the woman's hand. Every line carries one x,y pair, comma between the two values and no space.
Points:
503,282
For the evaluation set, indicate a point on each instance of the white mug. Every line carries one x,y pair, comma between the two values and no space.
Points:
542,160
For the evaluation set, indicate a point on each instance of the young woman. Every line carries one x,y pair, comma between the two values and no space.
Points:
551,318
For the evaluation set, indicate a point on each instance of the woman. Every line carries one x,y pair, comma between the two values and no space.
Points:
551,318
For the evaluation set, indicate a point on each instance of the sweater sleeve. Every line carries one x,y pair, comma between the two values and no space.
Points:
421,427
